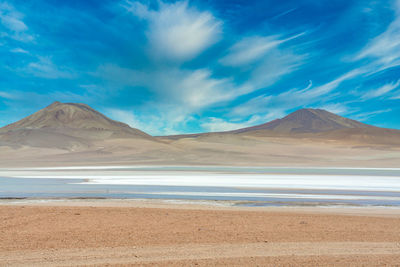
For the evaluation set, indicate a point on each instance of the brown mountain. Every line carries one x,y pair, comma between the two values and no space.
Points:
75,134
320,124
68,126
311,124
308,121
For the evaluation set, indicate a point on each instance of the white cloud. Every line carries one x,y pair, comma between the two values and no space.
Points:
311,93
178,93
249,49
384,89
129,118
264,61
190,89
273,67
255,105
220,125
384,48
45,68
198,89
337,108
261,109
383,52
11,19
252,49
6,95
278,105
161,123
367,115
395,97
177,31
19,50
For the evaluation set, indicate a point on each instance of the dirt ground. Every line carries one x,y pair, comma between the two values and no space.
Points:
73,235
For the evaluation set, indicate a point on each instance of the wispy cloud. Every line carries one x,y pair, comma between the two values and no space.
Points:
192,89
384,48
45,68
383,90
219,125
6,95
177,31
12,20
279,104
284,13
367,115
178,93
161,123
252,49
337,108
132,120
19,50
249,50
312,93
262,58
256,105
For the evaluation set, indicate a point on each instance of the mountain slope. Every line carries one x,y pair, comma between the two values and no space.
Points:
66,126
307,121
312,124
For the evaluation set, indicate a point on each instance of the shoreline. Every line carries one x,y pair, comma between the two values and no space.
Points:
212,205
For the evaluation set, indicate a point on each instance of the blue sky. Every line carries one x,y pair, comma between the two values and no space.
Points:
193,66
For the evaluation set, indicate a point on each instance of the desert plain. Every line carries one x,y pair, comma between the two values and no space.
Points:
158,233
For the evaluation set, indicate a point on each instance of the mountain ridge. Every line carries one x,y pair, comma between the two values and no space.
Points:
75,134
66,115
67,126
75,125
295,123
307,121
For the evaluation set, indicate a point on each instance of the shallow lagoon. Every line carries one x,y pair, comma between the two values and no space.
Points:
241,185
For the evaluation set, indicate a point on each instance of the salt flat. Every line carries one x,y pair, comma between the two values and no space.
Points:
286,186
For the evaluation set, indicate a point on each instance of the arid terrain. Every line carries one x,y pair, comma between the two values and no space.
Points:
75,134
151,233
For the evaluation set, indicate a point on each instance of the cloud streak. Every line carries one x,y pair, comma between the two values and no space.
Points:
384,49
12,20
383,90
45,68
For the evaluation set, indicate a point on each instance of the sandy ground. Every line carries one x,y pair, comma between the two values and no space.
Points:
231,150
146,233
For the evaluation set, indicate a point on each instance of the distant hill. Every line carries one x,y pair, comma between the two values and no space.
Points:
67,126
314,124
75,134
308,121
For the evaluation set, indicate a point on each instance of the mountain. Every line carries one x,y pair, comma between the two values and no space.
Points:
311,124
318,124
302,121
70,134
67,126
307,121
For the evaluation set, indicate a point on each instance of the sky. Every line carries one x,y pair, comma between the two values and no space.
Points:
169,67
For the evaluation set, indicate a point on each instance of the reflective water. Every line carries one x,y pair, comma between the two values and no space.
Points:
356,187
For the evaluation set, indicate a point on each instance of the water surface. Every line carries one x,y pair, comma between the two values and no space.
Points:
243,186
